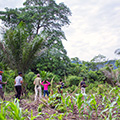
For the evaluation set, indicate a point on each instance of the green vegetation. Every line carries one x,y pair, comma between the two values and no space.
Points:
101,105
32,43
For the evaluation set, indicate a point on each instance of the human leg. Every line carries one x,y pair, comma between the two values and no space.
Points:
40,92
18,90
47,92
2,93
44,92
83,90
36,92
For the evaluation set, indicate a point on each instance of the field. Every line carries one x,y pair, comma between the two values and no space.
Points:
104,104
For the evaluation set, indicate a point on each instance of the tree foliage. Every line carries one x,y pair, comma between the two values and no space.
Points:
19,50
55,61
39,15
44,20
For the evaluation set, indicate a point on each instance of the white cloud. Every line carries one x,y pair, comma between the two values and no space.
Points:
95,28
10,3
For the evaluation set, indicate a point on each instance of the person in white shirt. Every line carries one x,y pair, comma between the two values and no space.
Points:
18,85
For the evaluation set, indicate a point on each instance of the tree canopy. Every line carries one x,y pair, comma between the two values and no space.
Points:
39,15
33,28
18,50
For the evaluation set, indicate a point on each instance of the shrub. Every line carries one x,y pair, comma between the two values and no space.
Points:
92,76
73,80
9,76
29,79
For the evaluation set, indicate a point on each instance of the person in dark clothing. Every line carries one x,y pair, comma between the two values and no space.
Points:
61,86
82,86
18,85
1,83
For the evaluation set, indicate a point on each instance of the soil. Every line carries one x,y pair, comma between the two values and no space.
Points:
30,104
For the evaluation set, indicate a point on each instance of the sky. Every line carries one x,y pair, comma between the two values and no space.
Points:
94,27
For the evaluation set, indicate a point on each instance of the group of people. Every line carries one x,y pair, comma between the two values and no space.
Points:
37,82
18,86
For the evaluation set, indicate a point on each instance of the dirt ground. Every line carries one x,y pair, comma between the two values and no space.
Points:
30,104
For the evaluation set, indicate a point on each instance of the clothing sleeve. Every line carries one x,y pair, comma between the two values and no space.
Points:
48,83
21,79
42,83
62,84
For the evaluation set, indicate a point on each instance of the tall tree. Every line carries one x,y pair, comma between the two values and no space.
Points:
99,58
19,50
42,17
117,51
39,15
54,61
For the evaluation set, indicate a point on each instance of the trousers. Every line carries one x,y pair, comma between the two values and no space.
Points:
2,94
18,90
82,90
38,89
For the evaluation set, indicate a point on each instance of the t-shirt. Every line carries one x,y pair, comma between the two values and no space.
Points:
62,85
82,84
37,81
18,79
45,85
1,81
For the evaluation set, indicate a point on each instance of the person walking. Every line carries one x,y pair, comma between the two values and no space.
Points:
61,86
1,83
82,86
18,85
46,83
37,83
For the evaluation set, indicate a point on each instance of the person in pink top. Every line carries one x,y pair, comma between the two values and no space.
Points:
46,83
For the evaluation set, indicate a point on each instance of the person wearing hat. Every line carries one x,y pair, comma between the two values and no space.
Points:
37,83
1,90
18,85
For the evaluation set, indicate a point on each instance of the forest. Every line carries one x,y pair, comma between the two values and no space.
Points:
32,43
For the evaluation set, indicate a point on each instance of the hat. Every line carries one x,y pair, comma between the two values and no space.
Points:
38,75
19,73
1,71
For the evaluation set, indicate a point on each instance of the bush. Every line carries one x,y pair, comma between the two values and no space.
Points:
9,76
92,87
29,79
73,80
92,76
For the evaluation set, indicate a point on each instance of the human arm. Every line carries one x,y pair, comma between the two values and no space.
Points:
84,85
34,82
42,83
48,83
21,81
3,82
